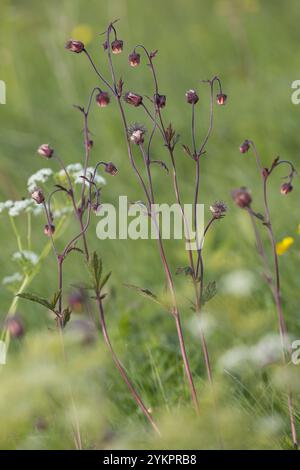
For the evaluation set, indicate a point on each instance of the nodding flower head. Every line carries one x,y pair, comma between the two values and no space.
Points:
75,46
133,98
117,46
245,146
136,133
45,150
191,97
218,209
242,197
134,59
221,99
159,100
38,196
49,230
111,168
286,188
15,326
102,99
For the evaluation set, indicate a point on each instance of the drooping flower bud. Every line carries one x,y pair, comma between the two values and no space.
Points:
102,99
218,209
38,196
111,169
134,59
49,230
191,97
117,46
77,299
15,326
159,101
221,99
286,188
245,146
45,150
242,197
136,133
96,207
90,144
133,98
75,46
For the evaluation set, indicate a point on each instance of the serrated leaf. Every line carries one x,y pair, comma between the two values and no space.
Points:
55,298
66,316
36,299
95,269
209,292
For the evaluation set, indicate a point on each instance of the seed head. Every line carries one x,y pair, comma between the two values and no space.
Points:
218,209
75,46
117,46
242,197
133,98
134,59
245,146
191,97
286,188
159,101
221,99
38,196
49,230
136,133
45,151
15,326
111,169
102,99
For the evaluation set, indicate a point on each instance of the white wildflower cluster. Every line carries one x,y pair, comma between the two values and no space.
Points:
19,207
76,172
26,255
5,205
266,351
16,277
41,176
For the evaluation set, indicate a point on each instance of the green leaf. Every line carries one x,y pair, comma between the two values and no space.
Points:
209,292
66,315
95,270
55,298
37,299
148,294
186,270
105,279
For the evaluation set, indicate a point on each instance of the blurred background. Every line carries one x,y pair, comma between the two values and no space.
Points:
252,45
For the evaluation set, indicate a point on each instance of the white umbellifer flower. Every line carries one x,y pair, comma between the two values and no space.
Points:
41,176
235,358
5,205
205,323
76,172
27,255
63,211
239,282
16,277
268,349
20,206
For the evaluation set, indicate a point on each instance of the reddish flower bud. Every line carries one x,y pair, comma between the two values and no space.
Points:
105,45
111,169
45,150
136,133
242,197
191,97
286,188
117,46
134,59
221,99
245,146
96,207
15,326
218,209
49,230
265,172
133,98
159,101
77,300
102,99
38,196
90,144
75,46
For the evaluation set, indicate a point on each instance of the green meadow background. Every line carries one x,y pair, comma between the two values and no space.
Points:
253,46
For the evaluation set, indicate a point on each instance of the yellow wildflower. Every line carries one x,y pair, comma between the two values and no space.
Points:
82,32
284,245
